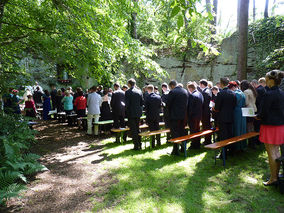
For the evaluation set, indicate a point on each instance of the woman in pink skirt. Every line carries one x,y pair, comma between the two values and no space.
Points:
272,122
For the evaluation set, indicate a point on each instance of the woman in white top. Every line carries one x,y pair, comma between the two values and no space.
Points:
250,94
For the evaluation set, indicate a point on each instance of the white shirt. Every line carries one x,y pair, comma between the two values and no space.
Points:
94,102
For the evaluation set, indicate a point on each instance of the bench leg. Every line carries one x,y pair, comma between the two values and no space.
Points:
184,146
215,155
117,137
224,157
96,129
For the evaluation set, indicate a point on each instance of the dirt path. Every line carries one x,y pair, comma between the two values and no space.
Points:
73,170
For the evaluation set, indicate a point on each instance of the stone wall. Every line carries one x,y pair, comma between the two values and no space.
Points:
225,64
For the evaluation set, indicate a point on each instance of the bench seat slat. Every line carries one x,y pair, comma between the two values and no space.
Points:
156,132
192,136
229,141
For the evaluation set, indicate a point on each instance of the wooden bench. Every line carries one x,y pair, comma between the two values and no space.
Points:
222,144
120,132
186,138
153,133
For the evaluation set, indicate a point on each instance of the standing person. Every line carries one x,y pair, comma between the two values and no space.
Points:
118,107
225,105
16,102
7,101
58,101
207,94
215,91
134,104
81,104
239,125
46,105
67,101
272,123
194,112
250,94
30,107
105,108
164,97
177,103
53,94
94,102
37,96
152,108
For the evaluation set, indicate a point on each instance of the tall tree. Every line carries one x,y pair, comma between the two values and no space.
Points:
133,21
266,9
243,11
253,10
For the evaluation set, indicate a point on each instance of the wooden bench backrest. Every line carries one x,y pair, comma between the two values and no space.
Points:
229,141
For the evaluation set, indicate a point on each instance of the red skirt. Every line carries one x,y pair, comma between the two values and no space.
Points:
271,134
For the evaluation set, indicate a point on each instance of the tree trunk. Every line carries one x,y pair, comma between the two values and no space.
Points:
133,23
208,6
215,9
266,9
2,6
243,39
253,11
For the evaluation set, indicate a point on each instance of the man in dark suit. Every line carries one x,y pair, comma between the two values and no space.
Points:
225,104
152,108
207,94
53,94
117,104
164,97
194,112
177,103
134,103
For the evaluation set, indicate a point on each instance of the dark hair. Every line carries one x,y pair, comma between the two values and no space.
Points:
173,83
204,82
224,81
78,89
80,93
46,92
94,88
63,89
131,82
238,82
116,85
246,85
156,88
276,75
125,87
215,88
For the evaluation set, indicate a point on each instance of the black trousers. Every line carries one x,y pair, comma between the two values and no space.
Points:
134,129
225,130
205,126
154,125
177,130
194,126
118,121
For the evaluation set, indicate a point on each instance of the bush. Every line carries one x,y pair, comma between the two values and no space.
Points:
16,163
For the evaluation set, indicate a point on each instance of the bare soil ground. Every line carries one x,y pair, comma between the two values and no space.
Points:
73,168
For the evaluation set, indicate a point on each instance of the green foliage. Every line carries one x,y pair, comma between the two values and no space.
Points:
266,37
15,161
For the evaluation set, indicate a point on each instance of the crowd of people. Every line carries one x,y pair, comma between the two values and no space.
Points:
195,105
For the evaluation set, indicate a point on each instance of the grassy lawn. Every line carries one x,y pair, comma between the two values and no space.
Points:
154,181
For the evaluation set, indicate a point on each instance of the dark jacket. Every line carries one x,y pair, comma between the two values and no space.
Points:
153,107
225,105
117,103
206,93
260,94
177,103
272,108
195,103
134,102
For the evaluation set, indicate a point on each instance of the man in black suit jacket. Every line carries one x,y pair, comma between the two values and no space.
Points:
194,112
177,103
225,105
134,104
206,114
152,108
117,104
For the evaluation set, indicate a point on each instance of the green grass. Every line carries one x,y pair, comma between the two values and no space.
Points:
154,181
